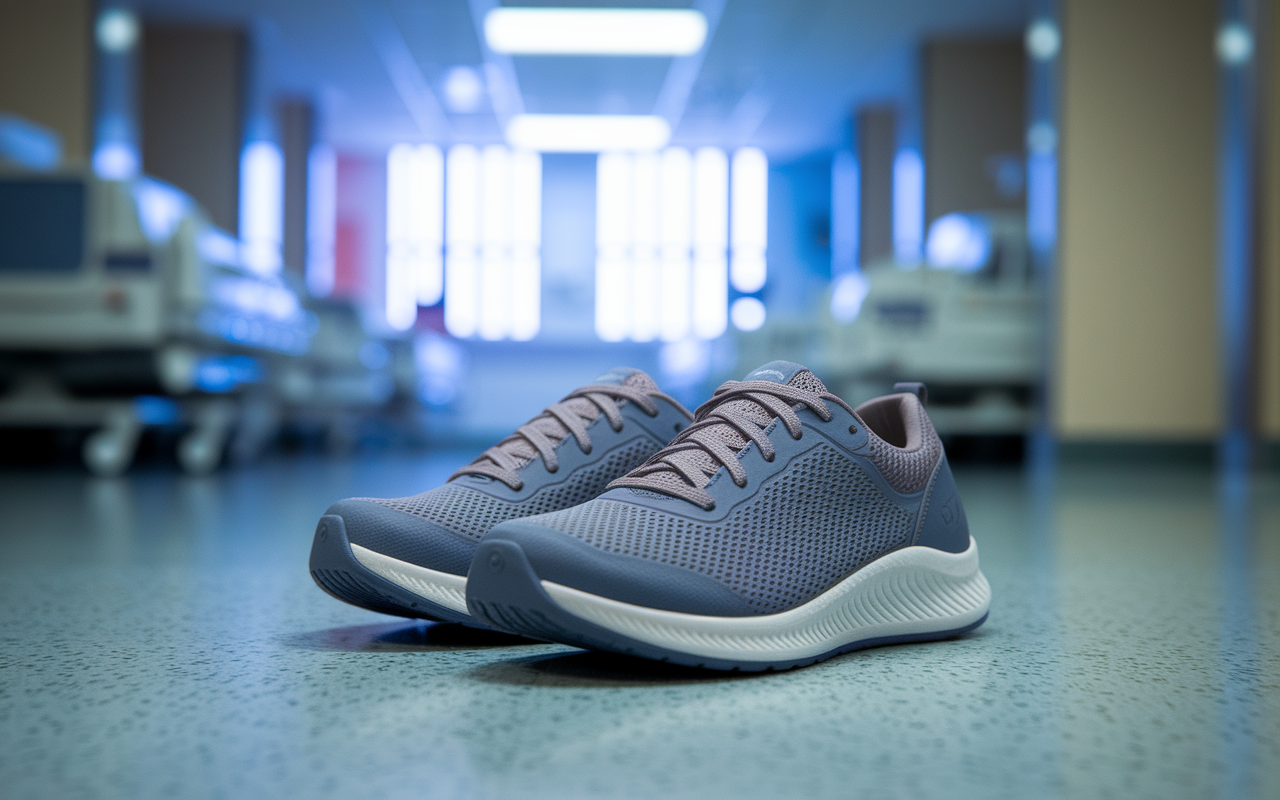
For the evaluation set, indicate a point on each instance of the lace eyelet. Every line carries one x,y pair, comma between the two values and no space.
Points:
853,429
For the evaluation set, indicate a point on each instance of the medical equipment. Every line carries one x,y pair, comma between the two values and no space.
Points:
122,306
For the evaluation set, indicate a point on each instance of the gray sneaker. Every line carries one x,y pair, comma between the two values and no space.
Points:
781,528
408,556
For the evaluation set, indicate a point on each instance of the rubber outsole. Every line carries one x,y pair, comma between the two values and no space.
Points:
335,570
504,591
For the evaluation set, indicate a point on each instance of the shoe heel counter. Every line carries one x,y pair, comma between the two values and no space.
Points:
944,526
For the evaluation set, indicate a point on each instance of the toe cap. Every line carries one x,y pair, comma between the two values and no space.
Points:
560,558
404,536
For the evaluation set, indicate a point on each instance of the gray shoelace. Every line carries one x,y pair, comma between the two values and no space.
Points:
686,455
499,463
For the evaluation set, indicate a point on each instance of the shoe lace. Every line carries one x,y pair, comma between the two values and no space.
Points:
685,466
503,460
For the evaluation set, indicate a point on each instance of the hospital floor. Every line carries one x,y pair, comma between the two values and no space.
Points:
160,637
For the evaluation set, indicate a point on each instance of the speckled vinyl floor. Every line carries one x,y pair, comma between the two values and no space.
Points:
160,637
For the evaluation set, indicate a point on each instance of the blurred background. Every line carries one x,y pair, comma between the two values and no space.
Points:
260,255
232,227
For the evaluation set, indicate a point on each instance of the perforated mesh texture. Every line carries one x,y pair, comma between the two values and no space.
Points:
907,470
802,533
472,513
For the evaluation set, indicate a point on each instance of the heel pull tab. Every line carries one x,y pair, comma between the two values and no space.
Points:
918,389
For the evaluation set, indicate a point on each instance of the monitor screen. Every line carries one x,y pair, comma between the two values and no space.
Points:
41,225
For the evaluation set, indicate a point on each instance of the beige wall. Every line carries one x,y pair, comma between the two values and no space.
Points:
46,67
1137,346
1268,307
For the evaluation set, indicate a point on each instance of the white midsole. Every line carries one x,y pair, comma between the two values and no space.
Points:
915,590
442,588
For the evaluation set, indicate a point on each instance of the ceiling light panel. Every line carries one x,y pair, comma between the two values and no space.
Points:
595,31
587,133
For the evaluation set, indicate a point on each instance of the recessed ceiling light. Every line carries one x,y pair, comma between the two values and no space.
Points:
587,133
595,31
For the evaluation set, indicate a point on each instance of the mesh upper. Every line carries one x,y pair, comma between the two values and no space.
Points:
472,513
907,471
803,532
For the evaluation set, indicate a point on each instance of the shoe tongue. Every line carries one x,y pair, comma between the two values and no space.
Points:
628,376
555,430
788,373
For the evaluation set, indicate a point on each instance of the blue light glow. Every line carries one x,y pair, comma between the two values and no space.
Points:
747,313
115,161
441,368
28,144
155,410
847,293
908,206
160,208
221,374
959,241
322,220
844,212
685,363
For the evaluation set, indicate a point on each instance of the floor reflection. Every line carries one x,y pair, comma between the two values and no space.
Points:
399,637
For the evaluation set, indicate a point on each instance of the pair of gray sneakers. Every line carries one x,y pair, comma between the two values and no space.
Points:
776,527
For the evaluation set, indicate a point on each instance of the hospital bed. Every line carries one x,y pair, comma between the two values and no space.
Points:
123,307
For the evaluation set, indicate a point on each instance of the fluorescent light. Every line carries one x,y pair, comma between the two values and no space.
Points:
677,238
587,133
613,239
495,229
662,232
525,284
646,270
322,220
493,268
595,31
462,240
750,222
908,205
710,199
261,206
710,297
415,231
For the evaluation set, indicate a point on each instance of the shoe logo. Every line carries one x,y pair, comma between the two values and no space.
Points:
324,531
951,510
768,375
495,562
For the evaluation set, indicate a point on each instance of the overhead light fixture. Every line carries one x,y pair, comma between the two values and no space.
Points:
587,133
595,31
